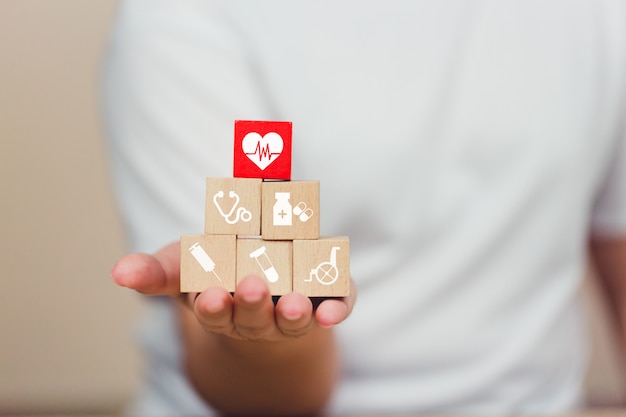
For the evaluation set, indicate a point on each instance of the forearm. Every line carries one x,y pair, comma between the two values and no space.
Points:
609,257
238,377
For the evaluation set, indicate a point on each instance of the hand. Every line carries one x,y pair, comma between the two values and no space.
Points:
249,314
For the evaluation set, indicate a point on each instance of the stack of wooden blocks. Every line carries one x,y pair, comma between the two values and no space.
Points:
260,222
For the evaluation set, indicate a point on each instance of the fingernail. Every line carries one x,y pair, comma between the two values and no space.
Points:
254,296
292,315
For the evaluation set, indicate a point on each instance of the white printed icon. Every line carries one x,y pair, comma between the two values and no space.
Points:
302,211
240,213
203,259
264,262
326,273
282,210
262,151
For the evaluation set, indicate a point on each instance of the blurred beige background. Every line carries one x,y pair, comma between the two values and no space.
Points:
65,329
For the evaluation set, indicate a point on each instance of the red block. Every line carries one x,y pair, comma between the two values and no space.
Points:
262,150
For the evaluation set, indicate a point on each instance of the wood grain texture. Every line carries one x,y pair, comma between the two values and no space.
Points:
290,210
269,259
207,261
321,268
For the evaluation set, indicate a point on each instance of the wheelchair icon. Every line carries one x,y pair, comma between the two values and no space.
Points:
326,273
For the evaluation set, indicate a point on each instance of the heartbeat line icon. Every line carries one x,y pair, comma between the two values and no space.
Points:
262,150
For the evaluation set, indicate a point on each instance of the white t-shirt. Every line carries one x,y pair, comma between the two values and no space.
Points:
467,148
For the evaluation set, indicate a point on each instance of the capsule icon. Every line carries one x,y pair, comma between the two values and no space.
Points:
302,211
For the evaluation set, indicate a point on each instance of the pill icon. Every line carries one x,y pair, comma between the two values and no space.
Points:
302,211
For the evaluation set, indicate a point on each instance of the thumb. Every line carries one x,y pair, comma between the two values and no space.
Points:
157,274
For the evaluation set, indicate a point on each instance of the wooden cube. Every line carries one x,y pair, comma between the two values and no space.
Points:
321,268
207,261
233,206
290,210
262,149
268,259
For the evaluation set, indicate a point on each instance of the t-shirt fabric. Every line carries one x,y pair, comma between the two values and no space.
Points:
467,148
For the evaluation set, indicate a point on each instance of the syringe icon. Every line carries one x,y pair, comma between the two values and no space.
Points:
203,259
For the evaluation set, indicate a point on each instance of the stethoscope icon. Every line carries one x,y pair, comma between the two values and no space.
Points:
240,213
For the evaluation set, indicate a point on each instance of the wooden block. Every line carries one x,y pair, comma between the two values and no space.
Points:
207,261
290,210
233,206
268,259
321,268
262,149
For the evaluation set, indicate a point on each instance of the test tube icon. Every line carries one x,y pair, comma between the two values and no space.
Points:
203,259
260,255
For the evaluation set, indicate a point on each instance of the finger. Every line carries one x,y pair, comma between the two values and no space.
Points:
334,311
294,314
253,313
150,274
214,310
188,299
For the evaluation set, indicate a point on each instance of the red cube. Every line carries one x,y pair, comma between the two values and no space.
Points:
262,149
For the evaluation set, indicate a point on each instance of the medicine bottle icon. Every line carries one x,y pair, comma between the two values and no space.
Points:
282,209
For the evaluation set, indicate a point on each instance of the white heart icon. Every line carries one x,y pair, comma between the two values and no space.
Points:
262,150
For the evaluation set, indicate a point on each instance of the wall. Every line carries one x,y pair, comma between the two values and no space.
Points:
65,329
